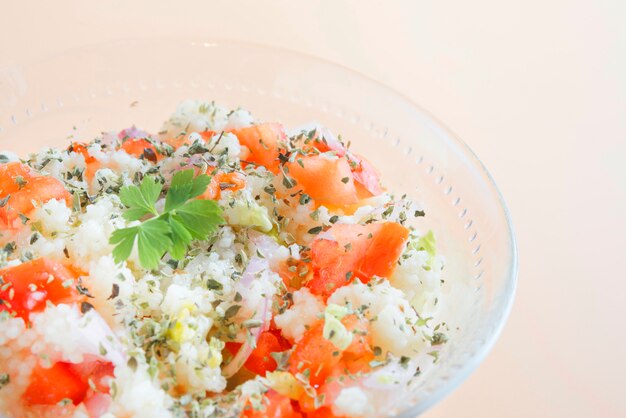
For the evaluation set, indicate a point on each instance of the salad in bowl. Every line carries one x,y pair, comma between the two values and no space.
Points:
222,266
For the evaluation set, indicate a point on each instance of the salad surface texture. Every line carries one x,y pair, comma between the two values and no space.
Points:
221,267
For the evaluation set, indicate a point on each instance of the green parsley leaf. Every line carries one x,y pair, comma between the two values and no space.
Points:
182,220
140,200
181,238
200,218
124,240
153,241
185,187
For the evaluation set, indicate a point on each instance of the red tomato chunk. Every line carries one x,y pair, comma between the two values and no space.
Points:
28,286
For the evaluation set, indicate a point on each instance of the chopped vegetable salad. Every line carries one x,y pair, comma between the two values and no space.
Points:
221,267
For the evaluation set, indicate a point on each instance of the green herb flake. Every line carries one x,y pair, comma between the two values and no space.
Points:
5,379
231,311
20,181
316,230
438,338
404,361
132,363
85,307
213,284
102,350
434,355
115,291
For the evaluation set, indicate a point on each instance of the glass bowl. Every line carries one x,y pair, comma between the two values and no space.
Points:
111,86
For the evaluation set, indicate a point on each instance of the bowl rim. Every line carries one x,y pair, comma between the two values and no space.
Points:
512,275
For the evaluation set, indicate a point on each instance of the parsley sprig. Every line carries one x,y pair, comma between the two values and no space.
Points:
182,220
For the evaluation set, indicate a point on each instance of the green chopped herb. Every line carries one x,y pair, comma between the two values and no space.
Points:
115,291
21,183
5,379
231,311
316,230
304,199
103,351
85,307
404,361
132,363
83,290
214,284
438,338
184,219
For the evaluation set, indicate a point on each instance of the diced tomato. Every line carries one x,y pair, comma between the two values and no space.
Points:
283,343
383,251
21,195
207,135
91,163
34,283
176,142
315,354
50,386
321,140
183,139
360,346
13,177
265,142
365,175
261,360
141,148
324,412
322,358
98,371
223,181
81,148
354,359
295,272
70,381
330,390
327,180
357,251
91,169
275,406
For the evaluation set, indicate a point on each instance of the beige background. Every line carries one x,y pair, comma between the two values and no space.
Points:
537,88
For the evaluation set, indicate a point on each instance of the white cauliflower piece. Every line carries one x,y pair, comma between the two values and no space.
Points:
196,116
393,322
302,314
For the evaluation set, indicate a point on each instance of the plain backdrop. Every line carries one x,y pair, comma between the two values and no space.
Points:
537,88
